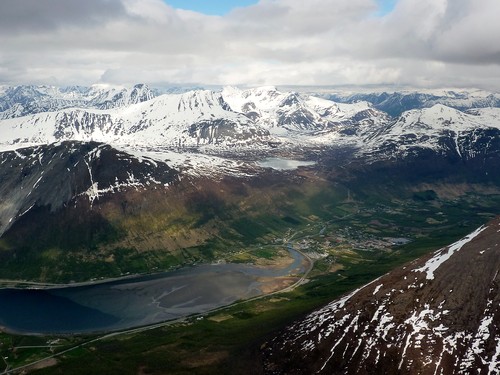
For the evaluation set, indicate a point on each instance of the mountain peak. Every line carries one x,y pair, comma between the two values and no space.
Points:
264,89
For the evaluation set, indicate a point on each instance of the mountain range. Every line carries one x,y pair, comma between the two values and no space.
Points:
212,133
397,102
77,146
232,118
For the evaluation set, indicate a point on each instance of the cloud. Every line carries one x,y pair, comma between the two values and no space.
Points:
280,42
451,31
27,16
470,33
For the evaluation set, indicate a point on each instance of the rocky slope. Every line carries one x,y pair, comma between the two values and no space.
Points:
396,102
437,315
442,129
52,176
183,120
18,101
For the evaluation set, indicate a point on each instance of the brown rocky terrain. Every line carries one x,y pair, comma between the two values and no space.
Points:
438,315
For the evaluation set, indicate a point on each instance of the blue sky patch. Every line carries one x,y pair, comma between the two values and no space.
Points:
211,7
386,6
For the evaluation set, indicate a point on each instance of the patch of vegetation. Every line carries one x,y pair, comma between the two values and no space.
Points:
427,195
265,252
249,229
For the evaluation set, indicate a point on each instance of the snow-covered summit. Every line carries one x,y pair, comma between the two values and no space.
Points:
112,98
283,112
18,101
190,119
438,118
439,128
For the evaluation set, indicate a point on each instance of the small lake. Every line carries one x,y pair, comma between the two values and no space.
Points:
134,302
284,164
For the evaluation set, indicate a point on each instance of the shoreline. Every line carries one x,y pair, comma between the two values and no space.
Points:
268,285
26,284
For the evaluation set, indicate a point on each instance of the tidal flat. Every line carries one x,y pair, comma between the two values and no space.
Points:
139,301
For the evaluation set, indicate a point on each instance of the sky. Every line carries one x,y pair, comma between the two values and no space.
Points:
210,7
222,7
416,43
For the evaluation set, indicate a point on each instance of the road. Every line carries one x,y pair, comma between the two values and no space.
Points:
40,285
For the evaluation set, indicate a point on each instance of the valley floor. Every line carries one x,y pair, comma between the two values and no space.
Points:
352,248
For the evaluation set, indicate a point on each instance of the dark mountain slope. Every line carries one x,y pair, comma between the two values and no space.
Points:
53,175
438,315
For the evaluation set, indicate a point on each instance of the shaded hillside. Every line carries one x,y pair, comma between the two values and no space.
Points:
438,315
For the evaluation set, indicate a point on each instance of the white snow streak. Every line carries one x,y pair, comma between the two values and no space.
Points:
443,255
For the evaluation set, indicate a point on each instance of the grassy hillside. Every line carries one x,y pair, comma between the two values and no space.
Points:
140,231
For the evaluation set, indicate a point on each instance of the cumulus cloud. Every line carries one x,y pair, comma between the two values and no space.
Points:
280,42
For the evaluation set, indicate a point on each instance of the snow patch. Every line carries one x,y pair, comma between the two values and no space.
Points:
377,289
443,255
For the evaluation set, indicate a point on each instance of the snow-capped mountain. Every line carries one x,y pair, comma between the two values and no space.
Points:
442,129
395,103
20,101
23,100
112,98
438,315
229,118
291,113
183,120
235,121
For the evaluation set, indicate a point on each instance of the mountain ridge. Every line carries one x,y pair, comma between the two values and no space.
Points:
397,102
247,119
18,101
52,176
438,314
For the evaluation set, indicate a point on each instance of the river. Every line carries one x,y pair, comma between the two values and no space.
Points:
134,302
